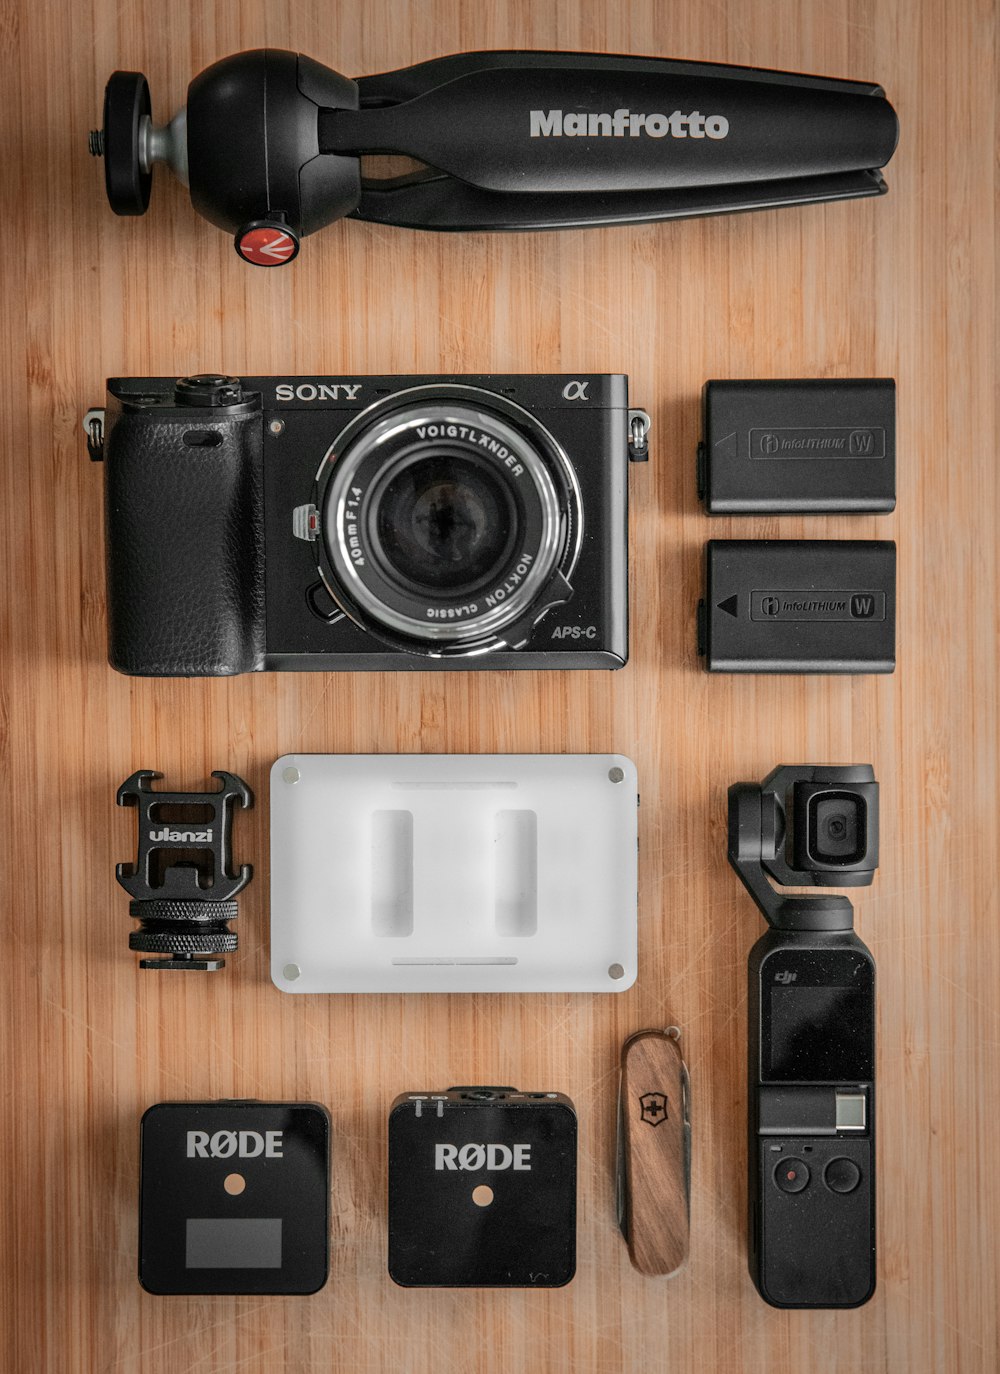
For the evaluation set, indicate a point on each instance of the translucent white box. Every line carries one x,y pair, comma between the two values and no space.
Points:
453,872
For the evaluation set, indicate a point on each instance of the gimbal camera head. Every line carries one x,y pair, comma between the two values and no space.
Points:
270,143
805,826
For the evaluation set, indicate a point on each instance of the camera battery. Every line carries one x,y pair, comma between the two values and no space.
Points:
799,606
234,1197
778,447
482,1189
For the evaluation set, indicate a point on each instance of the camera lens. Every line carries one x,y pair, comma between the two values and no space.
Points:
837,822
444,522
450,520
836,828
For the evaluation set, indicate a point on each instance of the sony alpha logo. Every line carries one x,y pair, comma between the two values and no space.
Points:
317,391
490,1157
234,1145
182,836
557,124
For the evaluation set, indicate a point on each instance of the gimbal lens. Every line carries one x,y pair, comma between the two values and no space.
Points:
837,828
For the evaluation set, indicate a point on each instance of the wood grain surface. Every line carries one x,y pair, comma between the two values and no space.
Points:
904,286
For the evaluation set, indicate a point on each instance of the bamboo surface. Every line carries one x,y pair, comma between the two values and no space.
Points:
903,286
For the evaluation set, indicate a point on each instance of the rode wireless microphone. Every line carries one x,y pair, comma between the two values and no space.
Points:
270,143
482,1189
234,1197
811,1061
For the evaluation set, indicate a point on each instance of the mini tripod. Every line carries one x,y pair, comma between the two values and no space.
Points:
270,143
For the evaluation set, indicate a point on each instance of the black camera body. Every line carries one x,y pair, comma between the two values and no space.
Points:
811,1035
811,1119
325,523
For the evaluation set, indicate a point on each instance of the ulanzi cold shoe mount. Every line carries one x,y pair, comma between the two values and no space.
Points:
270,143
183,883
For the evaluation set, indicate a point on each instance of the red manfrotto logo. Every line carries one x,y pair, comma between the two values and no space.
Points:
267,247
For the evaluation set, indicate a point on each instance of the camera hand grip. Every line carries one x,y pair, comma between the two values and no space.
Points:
184,541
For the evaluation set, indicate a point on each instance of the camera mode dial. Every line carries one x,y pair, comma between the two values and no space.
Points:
208,389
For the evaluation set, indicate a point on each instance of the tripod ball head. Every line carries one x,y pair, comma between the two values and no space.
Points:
246,145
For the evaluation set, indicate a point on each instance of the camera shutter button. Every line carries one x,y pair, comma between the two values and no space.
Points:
208,389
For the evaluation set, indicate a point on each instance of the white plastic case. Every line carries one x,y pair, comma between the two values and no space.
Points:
453,872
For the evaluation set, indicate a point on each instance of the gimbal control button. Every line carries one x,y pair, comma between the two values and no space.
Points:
842,1175
266,243
791,1175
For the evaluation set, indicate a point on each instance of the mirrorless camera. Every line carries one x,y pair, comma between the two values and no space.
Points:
366,522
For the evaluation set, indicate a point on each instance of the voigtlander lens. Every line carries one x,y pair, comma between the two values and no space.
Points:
443,521
450,520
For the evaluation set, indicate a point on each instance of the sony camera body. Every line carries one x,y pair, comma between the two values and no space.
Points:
325,523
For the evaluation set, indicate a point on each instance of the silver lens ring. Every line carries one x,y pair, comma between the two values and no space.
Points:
361,464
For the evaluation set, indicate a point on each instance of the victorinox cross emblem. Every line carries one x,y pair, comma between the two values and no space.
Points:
654,1108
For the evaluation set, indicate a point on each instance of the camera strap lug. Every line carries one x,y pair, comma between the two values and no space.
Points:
93,427
638,436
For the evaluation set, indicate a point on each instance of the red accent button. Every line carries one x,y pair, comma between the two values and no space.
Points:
267,245
791,1175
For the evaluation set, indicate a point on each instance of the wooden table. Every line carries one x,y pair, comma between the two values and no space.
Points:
902,286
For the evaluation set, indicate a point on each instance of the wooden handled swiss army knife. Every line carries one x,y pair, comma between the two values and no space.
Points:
654,1152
